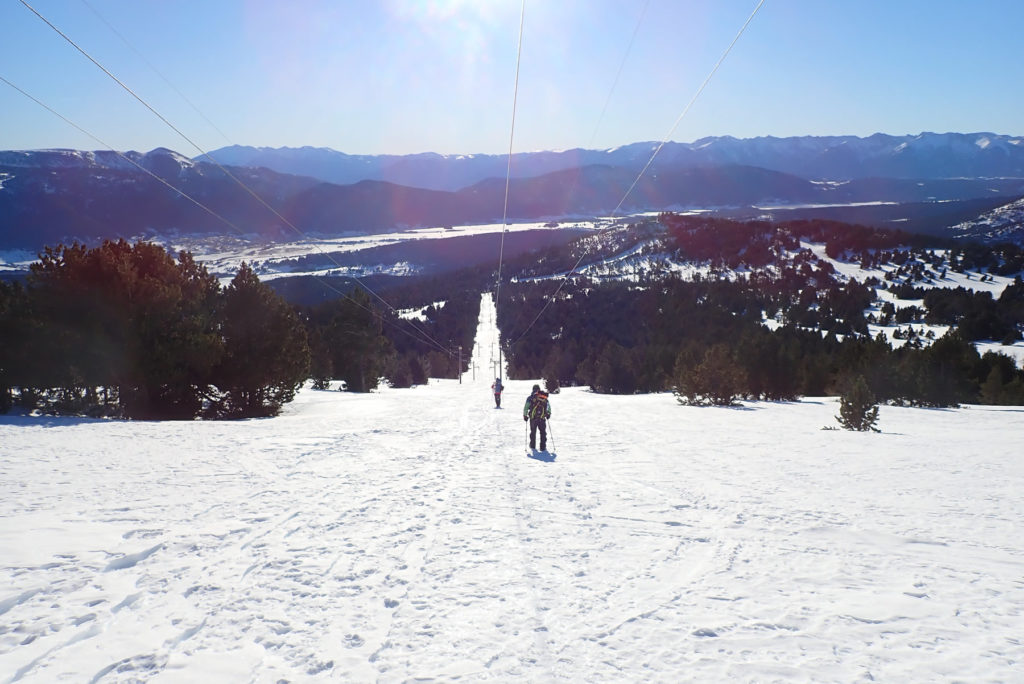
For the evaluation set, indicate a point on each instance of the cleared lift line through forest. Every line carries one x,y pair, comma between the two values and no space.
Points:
508,169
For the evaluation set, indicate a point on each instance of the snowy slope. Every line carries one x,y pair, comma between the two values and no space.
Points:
404,535
641,258
1004,224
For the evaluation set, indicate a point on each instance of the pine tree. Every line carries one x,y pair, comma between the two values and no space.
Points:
266,355
8,333
857,407
417,374
944,372
321,368
127,319
397,372
551,385
359,352
550,371
1013,392
717,379
613,371
992,388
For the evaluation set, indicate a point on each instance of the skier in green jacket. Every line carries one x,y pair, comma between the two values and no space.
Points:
537,410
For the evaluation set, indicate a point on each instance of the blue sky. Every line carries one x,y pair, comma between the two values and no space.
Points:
407,76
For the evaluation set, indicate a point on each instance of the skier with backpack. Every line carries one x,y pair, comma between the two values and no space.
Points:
497,388
537,410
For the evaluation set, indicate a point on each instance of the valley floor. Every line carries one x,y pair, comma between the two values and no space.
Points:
406,535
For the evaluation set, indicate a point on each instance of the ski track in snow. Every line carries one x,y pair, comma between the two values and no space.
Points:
405,536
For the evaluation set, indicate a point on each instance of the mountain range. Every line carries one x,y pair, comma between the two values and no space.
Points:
927,155
51,196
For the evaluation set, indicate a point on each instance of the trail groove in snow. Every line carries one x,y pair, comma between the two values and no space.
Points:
405,535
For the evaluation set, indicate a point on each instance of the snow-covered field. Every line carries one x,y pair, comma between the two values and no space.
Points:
267,256
223,254
406,536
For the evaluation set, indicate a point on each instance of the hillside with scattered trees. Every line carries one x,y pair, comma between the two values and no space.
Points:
711,309
709,339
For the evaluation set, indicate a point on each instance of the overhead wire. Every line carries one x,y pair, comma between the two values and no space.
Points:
597,127
121,154
615,81
508,169
618,73
184,194
156,71
202,151
643,171
689,105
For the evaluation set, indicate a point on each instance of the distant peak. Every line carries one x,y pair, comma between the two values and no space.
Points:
163,152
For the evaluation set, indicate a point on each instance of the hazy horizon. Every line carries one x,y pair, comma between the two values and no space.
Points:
498,154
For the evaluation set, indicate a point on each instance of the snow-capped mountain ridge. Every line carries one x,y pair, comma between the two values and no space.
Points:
925,155
92,159
101,195
52,195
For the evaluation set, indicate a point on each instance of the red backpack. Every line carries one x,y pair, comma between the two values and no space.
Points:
539,406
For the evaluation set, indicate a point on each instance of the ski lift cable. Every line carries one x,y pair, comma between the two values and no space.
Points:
221,167
689,105
511,138
195,145
196,202
156,71
508,169
323,282
650,161
122,155
615,81
611,90
593,136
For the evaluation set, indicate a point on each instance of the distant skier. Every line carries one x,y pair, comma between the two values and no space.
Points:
497,388
537,410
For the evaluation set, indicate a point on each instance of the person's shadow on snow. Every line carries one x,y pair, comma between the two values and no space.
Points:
545,456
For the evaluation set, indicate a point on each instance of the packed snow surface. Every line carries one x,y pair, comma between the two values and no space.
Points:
405,535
